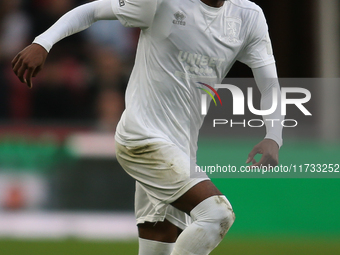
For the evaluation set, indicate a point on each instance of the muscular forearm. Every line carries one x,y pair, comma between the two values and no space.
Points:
75,21
266,80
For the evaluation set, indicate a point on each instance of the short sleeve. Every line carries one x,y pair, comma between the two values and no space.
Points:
135,13
258,51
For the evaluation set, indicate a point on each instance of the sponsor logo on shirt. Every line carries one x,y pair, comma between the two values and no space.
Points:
121,3
179,18
197,64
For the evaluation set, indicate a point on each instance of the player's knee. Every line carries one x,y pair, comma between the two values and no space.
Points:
216,211
223,214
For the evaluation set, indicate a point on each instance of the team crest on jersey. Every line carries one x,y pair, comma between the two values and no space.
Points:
232,29
179,18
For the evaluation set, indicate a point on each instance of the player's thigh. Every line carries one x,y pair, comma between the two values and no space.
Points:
163,172
161,231
196,195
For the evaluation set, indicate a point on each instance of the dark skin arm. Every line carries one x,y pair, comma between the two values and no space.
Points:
29,62
270,154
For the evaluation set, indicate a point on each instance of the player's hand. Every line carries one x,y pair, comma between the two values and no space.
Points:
270,154
29,62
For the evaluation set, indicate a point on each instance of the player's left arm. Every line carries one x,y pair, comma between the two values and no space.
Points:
258,55
267,82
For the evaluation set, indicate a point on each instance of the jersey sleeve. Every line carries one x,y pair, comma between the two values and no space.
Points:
267,80
258,51
135,13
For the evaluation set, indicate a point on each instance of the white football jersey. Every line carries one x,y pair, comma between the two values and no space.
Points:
183,42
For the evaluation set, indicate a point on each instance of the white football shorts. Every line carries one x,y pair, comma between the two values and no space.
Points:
162,174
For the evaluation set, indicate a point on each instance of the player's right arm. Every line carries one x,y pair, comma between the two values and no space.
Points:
131,13
30,61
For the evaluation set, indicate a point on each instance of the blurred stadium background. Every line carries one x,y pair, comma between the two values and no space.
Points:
61,189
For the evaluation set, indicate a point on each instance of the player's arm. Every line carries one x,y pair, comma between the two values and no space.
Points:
258,55
267,82
30,61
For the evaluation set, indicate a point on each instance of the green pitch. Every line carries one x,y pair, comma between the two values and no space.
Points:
288,216
267,207
230,247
